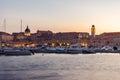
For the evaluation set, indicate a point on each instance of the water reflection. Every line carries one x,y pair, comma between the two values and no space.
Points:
60,67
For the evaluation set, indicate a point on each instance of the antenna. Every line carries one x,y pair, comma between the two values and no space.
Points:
21,25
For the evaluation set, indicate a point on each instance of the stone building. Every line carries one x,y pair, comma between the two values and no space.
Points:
41,37
5,37
72,38
106,39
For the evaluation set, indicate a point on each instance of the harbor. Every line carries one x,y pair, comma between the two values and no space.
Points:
72,49
27,43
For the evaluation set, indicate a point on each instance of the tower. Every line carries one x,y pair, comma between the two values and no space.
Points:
27,32
93,31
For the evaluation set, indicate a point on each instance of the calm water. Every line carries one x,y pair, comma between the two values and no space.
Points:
60,67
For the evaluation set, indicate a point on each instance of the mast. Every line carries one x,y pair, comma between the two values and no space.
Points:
1,35
5,25
5,29
21,32
21,25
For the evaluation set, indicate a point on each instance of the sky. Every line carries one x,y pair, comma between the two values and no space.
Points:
60,15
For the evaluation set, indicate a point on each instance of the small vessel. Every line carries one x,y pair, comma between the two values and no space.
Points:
77,48
17,52
74,49
61,49
87,50
50,50
107,49
33,49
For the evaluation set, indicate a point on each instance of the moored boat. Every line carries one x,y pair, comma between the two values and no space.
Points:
74,49
17,52
49,50
61,49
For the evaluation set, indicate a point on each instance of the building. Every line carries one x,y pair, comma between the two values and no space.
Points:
22,39
71,35
41,37
22,36
6,37
71,38
18,36
106,39
66,38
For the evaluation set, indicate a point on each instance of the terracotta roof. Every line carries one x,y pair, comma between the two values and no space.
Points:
1,33
110,33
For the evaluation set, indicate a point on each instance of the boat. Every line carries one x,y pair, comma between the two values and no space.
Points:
87,50
77,48
33,49
107,49
49,50
61,49
74,49
17,52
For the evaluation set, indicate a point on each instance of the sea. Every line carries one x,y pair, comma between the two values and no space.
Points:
100,66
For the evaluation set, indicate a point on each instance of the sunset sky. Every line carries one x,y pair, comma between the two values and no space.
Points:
61,15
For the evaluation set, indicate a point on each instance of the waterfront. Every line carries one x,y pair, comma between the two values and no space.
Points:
60,67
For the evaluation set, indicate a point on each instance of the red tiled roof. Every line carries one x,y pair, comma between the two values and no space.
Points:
111,33
1,33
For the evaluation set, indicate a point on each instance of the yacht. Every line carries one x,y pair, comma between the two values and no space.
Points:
77,48
74,48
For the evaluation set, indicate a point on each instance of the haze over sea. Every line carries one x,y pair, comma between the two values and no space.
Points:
60,67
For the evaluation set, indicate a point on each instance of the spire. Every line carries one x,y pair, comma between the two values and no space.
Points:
27,26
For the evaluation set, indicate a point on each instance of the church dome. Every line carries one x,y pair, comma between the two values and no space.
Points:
27,31
93,25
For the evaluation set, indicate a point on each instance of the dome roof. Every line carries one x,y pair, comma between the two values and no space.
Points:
27,29
93,25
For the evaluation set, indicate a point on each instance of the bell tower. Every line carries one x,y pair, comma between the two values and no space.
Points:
93,30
